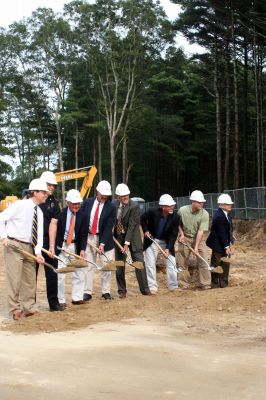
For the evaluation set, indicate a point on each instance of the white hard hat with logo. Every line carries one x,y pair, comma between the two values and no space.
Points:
166,200
224,199
49,177
73,196
38,184
104,188
197,195
122,190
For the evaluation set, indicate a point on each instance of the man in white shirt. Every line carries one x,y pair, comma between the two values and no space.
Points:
21,228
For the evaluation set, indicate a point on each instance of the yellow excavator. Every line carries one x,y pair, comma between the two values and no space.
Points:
87,173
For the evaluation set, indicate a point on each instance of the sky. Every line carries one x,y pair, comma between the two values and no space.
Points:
15,10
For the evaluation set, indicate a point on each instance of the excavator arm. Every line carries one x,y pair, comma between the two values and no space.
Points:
87,173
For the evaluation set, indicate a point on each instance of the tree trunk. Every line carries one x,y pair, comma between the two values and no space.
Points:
258,135
76,154
227,123
218,125
236,116
99,156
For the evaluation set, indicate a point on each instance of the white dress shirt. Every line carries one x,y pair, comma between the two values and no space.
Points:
95,204
16,222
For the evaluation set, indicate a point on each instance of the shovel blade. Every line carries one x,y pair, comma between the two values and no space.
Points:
217,270
138,264
65,270
78,264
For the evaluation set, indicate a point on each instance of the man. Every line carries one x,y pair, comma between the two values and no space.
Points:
220,239
69,232
100,214
127,232
21,228
162,225
194,221
51,210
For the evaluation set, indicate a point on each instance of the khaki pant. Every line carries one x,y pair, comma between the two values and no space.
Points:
21,278
184,254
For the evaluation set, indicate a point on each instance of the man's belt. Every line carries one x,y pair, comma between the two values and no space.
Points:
16,240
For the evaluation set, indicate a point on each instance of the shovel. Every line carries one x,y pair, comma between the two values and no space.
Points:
217,270
84,259
63,270
229,259
71,264
135,264
176,269
109,262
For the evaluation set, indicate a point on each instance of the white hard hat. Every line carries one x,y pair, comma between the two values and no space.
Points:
224,199
74,196
166,200
197,195
104,188
38,184
122,190
49,177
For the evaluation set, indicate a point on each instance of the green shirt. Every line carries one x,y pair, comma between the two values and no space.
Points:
193,221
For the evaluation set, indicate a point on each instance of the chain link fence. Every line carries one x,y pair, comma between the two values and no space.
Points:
249,203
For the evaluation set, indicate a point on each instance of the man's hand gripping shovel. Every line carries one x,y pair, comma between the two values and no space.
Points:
63,270
110,264
217,270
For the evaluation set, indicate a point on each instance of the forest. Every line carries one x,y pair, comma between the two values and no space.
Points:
106,84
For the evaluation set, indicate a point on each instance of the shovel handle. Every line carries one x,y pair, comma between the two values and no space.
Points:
27,254
197,255
158,246
118,244
98,251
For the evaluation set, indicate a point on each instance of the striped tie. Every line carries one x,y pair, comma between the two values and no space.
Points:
34,238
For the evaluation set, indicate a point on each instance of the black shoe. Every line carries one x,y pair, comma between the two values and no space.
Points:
78,302
107,296
87,297
122,295
223,284
57,307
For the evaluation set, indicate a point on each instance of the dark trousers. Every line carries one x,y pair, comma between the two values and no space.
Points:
220,280
51,281
120,271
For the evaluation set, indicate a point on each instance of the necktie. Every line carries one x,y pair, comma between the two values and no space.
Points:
95,220
119,226
34,234
71,229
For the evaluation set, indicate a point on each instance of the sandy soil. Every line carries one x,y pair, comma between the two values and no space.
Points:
182,344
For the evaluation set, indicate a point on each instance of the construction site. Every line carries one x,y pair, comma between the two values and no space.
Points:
164,346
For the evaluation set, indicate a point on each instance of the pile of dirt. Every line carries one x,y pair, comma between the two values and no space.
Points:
251,233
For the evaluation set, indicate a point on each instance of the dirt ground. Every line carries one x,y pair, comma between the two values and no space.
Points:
175,345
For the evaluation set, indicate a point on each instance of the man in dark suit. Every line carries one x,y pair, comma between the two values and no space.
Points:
51,210
127,232
220,239
70,232
162,225
100,220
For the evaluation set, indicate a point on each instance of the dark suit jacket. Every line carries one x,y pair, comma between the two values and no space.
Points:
221,232
130,218
150,221
81,230
106,222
